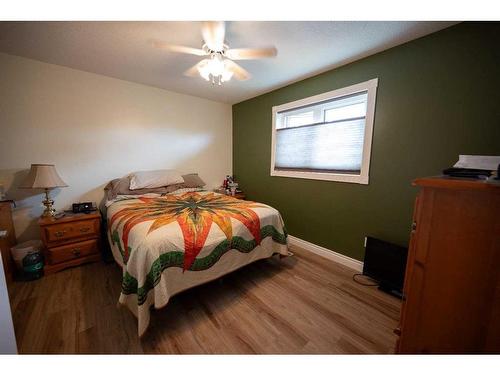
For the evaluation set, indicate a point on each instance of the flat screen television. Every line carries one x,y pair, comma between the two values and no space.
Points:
385,263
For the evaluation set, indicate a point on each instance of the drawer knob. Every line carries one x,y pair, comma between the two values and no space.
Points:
84,230
76,252
60,233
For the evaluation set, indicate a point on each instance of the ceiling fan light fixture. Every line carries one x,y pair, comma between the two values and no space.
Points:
216,64
215,69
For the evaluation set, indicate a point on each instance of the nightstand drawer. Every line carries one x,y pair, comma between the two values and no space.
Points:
73,251
65,231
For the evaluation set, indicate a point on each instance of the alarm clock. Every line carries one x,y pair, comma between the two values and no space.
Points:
83,207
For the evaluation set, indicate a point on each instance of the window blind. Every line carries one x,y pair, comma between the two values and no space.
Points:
326,146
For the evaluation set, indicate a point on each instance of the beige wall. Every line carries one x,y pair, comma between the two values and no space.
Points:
95,128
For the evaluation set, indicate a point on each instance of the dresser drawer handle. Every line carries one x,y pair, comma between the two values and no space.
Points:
60,233
84,230
76,252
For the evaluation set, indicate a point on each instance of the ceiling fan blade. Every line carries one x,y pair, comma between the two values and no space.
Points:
239,73
213,33
251,53
180,49
193,71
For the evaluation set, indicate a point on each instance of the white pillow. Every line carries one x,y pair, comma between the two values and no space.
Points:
154,179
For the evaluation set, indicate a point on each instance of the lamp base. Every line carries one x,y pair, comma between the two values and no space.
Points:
48,203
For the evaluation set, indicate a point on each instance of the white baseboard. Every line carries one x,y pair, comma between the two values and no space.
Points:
328,254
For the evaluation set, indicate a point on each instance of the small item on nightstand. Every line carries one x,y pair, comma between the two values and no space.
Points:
225,187
230,187
85,207
59,215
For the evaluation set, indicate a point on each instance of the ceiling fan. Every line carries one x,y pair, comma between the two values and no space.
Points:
218,66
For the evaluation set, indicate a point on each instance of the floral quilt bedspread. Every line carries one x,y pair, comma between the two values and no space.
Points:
170,243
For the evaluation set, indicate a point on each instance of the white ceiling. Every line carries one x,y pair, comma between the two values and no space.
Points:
121,49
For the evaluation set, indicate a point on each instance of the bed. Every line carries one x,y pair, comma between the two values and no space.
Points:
168,243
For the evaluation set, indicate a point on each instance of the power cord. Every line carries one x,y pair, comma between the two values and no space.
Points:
354,278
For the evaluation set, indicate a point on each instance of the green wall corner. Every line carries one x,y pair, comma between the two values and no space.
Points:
437,97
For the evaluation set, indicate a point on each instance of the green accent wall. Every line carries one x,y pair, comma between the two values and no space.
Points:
437,97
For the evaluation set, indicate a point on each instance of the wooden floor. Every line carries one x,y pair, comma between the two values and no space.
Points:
302,304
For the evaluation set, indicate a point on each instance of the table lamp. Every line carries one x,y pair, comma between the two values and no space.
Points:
44,176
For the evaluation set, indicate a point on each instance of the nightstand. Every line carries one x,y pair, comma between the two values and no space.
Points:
71,240
239,195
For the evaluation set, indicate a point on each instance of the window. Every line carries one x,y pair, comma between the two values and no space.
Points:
327,136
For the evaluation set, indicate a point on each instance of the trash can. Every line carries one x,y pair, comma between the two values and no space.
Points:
28,259
33,266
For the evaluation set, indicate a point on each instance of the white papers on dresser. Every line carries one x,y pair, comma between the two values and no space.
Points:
489,163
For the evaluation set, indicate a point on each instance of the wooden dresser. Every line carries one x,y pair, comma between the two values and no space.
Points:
71,240
9,240
452,284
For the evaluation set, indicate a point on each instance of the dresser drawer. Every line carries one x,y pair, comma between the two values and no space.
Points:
73,230
73,251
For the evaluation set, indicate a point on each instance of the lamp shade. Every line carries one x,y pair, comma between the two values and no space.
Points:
43,176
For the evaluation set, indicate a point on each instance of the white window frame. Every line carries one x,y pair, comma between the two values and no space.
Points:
363,177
